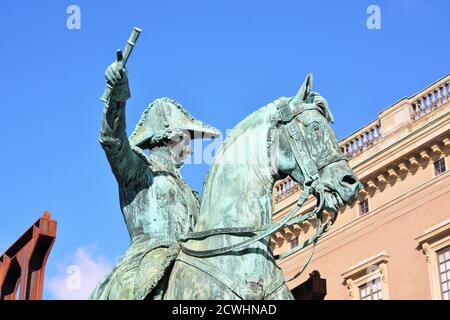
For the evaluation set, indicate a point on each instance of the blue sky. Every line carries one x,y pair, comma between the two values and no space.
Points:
221,59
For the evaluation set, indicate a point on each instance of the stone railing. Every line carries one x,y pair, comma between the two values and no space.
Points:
426,101
361,140
284,188
431,98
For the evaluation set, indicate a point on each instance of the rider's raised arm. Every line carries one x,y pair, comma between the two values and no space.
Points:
126,165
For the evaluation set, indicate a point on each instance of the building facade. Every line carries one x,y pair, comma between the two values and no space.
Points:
394,242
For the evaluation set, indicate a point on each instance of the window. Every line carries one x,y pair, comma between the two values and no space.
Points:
439,166
368,279
435,242
294,242
371,290
444,271
363,207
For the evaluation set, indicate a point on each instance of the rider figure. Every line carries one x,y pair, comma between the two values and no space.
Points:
157,204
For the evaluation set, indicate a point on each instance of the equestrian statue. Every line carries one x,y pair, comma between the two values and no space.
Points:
218,248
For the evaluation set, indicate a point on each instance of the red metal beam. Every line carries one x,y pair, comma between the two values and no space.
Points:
22,266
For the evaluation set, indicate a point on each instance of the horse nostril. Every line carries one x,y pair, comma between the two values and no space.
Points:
349,179
351,187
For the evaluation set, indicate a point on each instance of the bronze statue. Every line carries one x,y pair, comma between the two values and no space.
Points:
226,243
158,206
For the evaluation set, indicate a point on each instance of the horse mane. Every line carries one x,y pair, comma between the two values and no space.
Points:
239,129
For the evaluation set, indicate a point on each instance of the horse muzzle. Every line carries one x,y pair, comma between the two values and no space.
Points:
349,188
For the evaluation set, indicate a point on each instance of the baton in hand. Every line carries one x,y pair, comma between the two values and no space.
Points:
126,53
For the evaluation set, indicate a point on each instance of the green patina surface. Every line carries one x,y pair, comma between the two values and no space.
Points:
159,208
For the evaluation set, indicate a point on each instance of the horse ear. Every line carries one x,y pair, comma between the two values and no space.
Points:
322,103
305,90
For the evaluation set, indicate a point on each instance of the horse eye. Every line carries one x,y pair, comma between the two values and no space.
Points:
315,126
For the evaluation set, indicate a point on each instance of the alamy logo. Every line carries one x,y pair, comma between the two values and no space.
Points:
73,281
374,20
74,19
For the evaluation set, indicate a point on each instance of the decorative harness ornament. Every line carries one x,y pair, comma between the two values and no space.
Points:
312,185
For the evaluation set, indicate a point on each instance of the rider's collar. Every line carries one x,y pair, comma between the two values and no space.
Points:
162,157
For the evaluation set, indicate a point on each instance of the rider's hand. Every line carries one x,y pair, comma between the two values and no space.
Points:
117,79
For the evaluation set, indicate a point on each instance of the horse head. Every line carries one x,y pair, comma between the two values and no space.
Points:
314,158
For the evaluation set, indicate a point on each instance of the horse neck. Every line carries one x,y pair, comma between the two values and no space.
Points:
238,190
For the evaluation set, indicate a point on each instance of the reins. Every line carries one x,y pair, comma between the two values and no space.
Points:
265,230
312,185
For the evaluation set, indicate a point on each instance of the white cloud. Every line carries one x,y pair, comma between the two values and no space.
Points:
78,275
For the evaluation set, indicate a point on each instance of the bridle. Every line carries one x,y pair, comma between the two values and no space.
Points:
312,185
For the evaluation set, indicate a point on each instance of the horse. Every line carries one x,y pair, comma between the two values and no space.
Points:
228,256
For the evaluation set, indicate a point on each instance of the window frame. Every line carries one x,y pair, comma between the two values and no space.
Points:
294,242
434,166
365,271
361,213
368,286
431,241
446,250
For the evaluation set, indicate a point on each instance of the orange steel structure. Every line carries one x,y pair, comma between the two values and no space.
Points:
22,266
